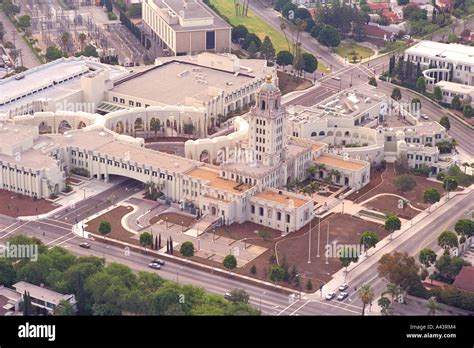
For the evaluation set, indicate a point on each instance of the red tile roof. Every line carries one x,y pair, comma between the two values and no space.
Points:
375,31
378,6
465,279
391,16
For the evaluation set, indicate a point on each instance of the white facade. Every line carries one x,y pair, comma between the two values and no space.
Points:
440,61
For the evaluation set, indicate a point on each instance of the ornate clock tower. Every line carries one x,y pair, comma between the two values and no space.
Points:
267,125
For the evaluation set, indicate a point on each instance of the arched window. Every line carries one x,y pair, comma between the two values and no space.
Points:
263,105
321,133
313,134
252,209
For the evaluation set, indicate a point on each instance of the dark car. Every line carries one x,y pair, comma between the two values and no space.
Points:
85,245
159,261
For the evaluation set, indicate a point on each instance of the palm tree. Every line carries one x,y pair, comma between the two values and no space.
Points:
366,295
65,37
314,187
82,40
311,171
155,125
432,305
320,167
393,290
384,304
283,29
335,173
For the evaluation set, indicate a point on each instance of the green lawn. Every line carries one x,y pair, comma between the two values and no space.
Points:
255,25
346,48
394,46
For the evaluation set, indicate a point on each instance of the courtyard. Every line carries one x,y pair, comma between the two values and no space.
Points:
16,205
383,182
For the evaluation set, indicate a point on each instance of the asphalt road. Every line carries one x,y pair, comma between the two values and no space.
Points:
309,44
58,231
426,236
29,59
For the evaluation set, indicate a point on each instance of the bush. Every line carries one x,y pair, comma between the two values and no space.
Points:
277,273
187,249
455,297
111,16
405,183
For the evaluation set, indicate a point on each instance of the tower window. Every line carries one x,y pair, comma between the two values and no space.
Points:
263,105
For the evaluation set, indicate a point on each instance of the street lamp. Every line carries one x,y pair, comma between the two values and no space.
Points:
327,243
319,232
309,241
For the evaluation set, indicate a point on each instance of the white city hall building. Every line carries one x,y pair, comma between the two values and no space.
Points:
239,189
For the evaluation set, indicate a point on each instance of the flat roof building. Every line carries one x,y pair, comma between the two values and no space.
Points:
42,297
186,26
440,61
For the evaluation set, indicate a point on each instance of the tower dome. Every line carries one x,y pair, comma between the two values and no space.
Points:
268,85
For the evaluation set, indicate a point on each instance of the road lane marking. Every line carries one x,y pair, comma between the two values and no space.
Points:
45,223
296,310
16,228
287,307
64,241
54,240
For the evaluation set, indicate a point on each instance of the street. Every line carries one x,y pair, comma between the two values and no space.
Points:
29,59
57,231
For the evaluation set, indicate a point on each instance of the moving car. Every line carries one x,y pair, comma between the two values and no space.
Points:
424,116
342,296
154,265
158,261
337,78
85,245
330,296
343,287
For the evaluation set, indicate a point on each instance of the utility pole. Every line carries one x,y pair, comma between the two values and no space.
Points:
21,57
309,242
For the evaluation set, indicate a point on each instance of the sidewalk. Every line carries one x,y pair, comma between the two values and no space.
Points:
387,245
88,189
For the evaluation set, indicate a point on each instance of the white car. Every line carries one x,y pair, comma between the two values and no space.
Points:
425,116
330,296
342,296
154,265
337,78
343,287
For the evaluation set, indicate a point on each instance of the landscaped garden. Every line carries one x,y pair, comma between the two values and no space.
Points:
353,52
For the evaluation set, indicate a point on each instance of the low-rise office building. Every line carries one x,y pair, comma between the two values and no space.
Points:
186,27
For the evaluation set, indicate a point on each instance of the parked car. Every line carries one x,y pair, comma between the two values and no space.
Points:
330,296
228,295
337,78
154,265
425,116
159,261
85,245
343,287
342,296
